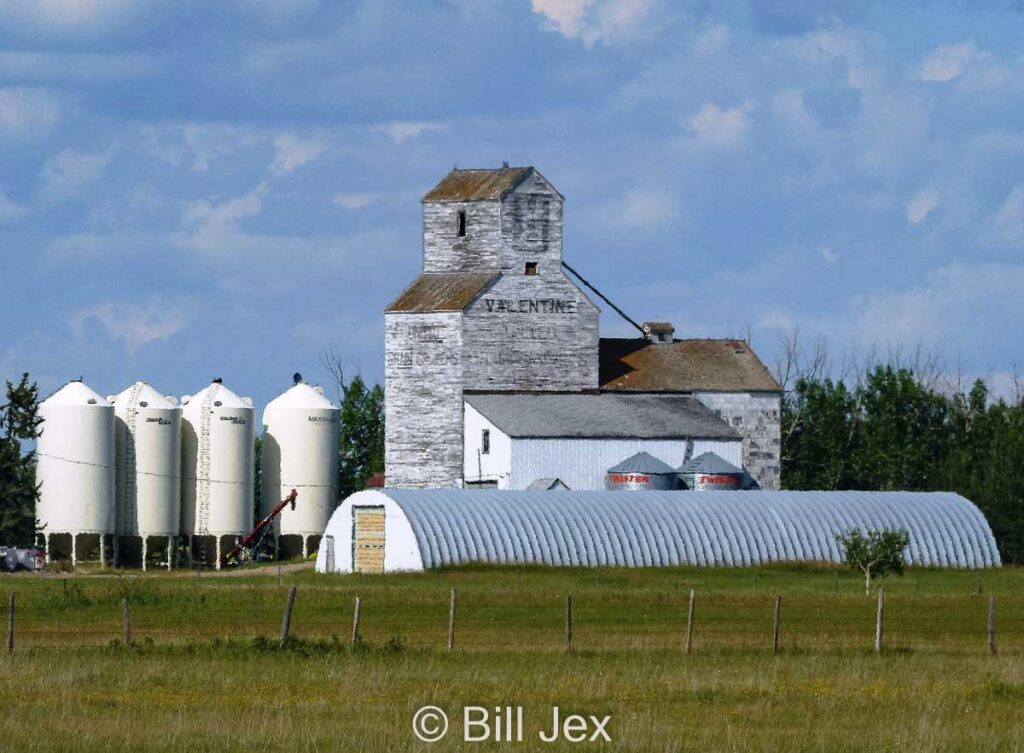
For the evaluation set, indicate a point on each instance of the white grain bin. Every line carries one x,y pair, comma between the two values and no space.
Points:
710,472
217,436
76,471
300,451
148,462
641,472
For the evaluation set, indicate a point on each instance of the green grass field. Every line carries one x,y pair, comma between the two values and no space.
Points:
205,671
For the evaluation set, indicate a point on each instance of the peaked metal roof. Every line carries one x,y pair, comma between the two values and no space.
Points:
682,366
590,528
441,292
547,484
642,462
710,463
600,415
478,185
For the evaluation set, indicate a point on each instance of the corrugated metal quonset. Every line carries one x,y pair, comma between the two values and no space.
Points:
641,472
414,529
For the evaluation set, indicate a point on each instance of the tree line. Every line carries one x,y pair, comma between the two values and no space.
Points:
899,426
890,426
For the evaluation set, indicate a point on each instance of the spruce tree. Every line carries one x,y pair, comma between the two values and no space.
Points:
19,492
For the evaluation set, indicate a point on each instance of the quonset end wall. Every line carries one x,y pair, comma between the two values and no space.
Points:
757,416
423,399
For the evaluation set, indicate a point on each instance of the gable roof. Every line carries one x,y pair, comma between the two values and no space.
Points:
600,415
642,462
710,463
682,366
547,484
441,292
478,185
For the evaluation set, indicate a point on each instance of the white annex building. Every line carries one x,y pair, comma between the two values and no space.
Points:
496,375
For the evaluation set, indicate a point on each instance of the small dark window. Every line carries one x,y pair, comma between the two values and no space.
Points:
462,224
485,442
531,269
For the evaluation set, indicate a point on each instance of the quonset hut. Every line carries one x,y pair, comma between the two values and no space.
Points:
415,529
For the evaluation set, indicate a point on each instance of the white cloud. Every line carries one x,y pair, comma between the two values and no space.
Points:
210,142
10,210
200,146
66,16
292,152
1010,216
65,175
136,324
355,201
647,208
27,112
712,39
593,21
823,47
828,254
76,66
924,202
565,16
948,62
213,226
941,311
637,208
789,110
244,260
401,131
714,126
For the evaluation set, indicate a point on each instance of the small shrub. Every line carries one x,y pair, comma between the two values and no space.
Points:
395,645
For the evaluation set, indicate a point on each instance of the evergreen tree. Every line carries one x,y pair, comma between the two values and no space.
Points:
19,422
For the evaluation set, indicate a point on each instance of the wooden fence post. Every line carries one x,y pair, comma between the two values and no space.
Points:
879,620
127,623
451,622
286,621
775,624
355,622
689,621
991,623
568,623
10,625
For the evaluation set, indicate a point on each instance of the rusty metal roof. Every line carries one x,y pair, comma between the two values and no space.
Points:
441,292
683,366
477,185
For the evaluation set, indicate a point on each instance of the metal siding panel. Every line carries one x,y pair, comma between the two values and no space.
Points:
502,530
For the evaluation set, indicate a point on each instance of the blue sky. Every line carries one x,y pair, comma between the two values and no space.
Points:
195,189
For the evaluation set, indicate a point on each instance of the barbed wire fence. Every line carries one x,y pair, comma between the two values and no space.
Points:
492,621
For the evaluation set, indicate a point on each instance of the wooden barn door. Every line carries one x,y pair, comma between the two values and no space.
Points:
368,539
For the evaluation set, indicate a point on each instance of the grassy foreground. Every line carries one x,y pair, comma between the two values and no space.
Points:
205,672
